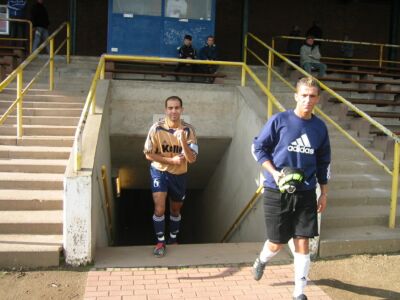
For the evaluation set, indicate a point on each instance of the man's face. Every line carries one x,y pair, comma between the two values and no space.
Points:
306,97
173,110
210,41
310,41
187,42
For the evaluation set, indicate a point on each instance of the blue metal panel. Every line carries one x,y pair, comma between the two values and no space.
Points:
154,35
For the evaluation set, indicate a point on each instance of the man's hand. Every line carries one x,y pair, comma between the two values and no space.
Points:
181,136
178,159
321,205
277,175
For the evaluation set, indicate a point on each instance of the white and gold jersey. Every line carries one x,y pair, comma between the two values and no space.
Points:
161,140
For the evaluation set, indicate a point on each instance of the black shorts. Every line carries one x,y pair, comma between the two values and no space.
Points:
290,215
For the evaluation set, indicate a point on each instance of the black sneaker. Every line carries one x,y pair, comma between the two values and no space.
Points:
159,250
300,297
258,269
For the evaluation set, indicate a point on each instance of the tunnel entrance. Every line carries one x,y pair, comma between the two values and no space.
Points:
134,218
221,181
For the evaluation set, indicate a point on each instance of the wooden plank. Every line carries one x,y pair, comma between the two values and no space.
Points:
377,114
165,73
337,79
369,101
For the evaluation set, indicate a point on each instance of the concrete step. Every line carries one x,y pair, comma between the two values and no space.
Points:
31,222
31,200
37,130
33,165
41,104
34,96
347,217
35,120
31,152
357,166
55,112
43,141
348,198
359,181
34,181
22,250
351,154
372,239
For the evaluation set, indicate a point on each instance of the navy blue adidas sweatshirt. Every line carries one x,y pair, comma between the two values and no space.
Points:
290,141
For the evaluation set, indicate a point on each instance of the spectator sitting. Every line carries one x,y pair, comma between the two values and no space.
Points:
347,49
310,57
209,52
186,51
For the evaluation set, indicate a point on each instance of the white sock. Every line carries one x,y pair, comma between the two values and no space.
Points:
267,254
301,268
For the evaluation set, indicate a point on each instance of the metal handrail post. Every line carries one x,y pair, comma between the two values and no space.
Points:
68,43
273,47
395,186
270,108
243,79
245,49
30,37
380,55
51,76
20,130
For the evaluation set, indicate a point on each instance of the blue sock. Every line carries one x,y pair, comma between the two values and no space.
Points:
174,222
159,228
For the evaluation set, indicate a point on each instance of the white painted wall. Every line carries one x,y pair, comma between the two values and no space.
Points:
235,179
84,208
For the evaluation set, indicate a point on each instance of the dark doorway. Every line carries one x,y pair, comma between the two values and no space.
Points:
134,211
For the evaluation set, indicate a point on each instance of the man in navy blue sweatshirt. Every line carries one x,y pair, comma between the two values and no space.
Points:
296,139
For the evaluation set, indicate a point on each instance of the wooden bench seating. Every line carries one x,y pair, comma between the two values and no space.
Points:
377,114
155,68
351,80
375,102
361,66
358,72
364,91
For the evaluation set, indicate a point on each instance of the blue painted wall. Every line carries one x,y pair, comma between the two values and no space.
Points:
154,35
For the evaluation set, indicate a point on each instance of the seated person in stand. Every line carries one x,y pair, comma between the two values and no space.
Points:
209,52
310,57
186,51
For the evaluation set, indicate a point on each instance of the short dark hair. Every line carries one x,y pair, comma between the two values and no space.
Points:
188,37
308,81
173,98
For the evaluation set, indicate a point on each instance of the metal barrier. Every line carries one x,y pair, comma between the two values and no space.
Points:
394,172
18,73
379,60
29,39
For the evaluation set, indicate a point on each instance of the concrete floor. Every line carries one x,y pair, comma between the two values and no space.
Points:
184,255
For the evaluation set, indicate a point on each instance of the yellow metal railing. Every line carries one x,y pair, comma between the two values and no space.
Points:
107,204
380,47
18,73
394,172
29,39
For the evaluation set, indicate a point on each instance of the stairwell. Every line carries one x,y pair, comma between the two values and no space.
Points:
32,167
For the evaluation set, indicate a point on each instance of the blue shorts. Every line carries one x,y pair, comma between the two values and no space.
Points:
175,185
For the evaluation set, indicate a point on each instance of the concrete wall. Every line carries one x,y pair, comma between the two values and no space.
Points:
235,179
84,207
